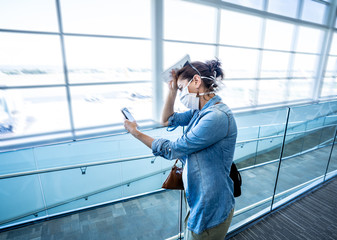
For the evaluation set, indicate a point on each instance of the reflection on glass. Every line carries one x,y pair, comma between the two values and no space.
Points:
314,11
300,88
333,48
239,63
182,21
100,105
272,91
123,18
274,64
305,65
107,60
278,35
329,87
25,15
333,159
30,59
31,111
268,150
315,43
331,69
197,52
283,7
240,29
258,4
238,93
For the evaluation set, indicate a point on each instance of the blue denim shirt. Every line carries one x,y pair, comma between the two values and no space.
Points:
207,147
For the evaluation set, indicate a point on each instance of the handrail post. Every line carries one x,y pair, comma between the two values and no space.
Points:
180,214
333,144
280,160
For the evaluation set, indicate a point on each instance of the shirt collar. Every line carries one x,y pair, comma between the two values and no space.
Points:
211,102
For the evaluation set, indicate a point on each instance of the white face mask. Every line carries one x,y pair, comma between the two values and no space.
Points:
190,100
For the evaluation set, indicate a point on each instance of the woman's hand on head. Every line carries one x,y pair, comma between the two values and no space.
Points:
131,127
173,85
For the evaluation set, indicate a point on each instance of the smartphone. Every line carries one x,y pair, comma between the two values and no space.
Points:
127,114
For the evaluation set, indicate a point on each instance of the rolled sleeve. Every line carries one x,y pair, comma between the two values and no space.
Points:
210,129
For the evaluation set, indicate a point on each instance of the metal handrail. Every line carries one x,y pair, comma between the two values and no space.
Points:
83,165
26,173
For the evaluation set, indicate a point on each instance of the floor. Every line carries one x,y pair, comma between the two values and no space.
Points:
312,217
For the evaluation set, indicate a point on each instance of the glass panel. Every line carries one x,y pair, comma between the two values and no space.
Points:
329,87
20,198
315,43
182,21
268,150
257,192
305,65
312,163
272,91
239,63
300,88
197,52
279,35
331,69
30,59
32,111
245,32
274,64
252,126
100,105
107,17
258,4
283,7
333,161
17,161
107,60
314,11
238,93
25,15
333,48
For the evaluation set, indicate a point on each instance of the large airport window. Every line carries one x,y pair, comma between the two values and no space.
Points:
30,59
304,65
274,64
189,22
100,105
287,8
37,15
106,17
92,59
240,29
314,11
34,111
238,62
315,43
279,35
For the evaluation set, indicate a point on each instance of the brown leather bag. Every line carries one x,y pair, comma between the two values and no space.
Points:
174,179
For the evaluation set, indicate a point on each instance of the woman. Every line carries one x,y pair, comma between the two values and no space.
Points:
206,148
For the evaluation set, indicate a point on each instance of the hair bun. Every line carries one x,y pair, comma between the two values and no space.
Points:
215,66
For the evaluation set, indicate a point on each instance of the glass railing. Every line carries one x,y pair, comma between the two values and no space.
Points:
280,153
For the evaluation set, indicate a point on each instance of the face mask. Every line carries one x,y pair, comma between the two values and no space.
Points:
190,100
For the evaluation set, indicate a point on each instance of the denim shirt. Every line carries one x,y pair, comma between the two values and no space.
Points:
207,147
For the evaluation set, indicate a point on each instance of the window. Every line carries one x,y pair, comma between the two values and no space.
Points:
30,59
314,11
37,15
283,7
312,46
274,64
189,22
279,35
121,18
240,29
258,4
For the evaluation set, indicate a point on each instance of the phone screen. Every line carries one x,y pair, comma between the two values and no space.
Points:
127,114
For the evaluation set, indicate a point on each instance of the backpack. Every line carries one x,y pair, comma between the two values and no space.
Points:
236,177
